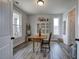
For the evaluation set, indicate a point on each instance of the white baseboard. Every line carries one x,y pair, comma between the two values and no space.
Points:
18,41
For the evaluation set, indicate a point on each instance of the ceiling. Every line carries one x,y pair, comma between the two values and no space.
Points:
50,6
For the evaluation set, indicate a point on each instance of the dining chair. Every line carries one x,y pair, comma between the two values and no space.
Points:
45,44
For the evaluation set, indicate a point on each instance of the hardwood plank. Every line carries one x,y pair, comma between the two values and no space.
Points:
56,52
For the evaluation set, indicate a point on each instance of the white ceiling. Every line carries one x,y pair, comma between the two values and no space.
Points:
50,6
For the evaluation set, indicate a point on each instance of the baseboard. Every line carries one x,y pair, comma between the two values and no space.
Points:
19,45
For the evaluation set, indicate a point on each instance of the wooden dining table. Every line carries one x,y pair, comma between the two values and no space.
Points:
37,38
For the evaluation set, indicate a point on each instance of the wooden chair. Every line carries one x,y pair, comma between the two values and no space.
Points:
45,44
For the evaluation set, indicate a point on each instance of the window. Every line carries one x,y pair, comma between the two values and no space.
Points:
17,24
56,26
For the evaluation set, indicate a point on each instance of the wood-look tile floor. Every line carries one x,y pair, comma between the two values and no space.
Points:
57,52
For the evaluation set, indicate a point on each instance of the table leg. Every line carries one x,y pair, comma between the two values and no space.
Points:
40,46
33,47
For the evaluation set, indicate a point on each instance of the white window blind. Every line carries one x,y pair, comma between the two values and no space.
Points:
56,26
17,24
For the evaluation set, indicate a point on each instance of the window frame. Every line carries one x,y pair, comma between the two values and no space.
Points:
18,26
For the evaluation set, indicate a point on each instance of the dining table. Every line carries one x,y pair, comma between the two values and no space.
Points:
37,38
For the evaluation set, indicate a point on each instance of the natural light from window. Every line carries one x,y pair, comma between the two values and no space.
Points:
56,26
17,25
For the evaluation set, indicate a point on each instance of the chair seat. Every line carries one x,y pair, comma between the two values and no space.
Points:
45,42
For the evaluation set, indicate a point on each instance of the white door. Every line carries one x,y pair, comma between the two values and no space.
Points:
5,29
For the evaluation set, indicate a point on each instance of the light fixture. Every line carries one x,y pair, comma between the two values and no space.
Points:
40,2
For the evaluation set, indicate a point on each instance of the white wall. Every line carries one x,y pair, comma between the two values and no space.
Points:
65,36
34,18
77,19
65,18
24,22
69,37
77,27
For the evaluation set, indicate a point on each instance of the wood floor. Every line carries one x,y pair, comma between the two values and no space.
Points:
57,52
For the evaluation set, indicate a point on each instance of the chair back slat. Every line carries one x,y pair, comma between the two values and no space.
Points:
50,35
